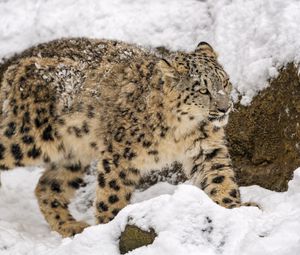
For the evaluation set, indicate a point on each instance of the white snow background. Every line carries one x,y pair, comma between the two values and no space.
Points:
253,39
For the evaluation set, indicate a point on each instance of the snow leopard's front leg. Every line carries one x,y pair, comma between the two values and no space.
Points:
212,169
117,179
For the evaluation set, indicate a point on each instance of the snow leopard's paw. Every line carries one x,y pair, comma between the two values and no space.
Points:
71,229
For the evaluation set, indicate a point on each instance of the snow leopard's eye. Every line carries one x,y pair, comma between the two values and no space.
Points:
203,90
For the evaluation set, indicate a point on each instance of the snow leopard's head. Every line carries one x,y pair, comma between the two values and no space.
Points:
201,85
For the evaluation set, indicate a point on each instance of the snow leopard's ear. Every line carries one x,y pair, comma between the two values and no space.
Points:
205,48
166,67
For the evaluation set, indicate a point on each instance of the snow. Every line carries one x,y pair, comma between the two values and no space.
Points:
184,217
253,40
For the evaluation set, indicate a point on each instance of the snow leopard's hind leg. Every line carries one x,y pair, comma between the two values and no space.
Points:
54,191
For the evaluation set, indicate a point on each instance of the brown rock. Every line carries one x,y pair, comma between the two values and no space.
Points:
264,138
133,237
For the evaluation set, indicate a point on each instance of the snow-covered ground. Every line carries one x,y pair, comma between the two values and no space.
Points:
253,38
186,220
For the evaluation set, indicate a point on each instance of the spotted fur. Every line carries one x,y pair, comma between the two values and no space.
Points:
68,102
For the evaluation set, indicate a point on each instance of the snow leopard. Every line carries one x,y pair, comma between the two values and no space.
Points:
68,102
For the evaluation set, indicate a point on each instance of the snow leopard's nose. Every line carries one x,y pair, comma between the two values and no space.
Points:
222,103
223,109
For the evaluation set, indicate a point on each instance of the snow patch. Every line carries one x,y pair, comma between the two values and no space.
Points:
185,218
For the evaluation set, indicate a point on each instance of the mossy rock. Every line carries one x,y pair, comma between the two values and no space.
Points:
133,237
264,137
